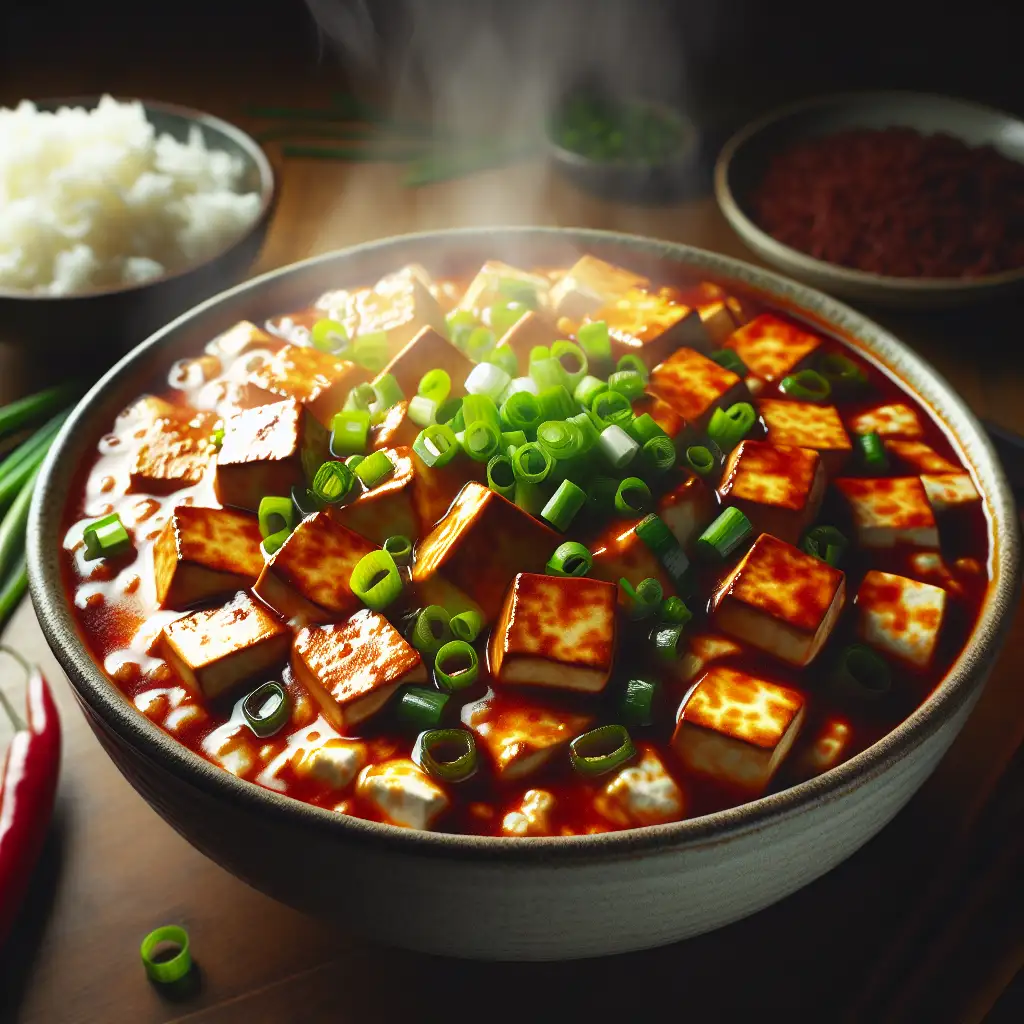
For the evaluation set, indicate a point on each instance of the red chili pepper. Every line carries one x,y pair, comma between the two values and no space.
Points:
27,789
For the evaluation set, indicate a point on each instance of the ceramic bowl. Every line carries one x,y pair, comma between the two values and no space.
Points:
100,326
744,158
529,899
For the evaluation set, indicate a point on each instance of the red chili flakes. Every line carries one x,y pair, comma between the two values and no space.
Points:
896,202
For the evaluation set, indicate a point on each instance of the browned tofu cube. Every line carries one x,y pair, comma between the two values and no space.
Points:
529,331
949,491
396,430
557,632
435,489
262,453
687,509
352,668
777,487
808,425
619,553
696,386
428,351
320,382
174,451
400,305
664,415
920,457
387,509
736,728
521,735
590,284
895,419
244,337
216,649
480,546
493,283
890,510
307,578
901,617
780,600
772,347
643,793
701,650
203,553
831,745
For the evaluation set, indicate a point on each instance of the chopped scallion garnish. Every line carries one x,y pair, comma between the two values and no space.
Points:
729,426
456,666
487,379
588,389
422,411
872,452
638,699
267,709
659,455
275,514
500,476
612,407
662,543
329,336
107,537
399,547
728,359
387,391
806,385
419,708
505,358
562,440
643,600
480,343
435,385
481,441
375,469
436,445
644,428
601,750
467,625
861,672
350,432
570,559
628,383
446,754
825,542
724,535
594,340
573,360
673,610
332,482
371,350
700,459
631,362
665,639
272,544
563,505
521,411
556,403
632,497
841,372
617,447
432,630
461,323
375,580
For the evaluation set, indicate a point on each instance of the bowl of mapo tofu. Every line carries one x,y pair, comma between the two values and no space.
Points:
524,593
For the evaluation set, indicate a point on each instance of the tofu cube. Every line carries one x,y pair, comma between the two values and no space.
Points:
641,794
664,415
948,491
334,763
520,736
590,284
480,546
530,330
830,746
890,510
557,632
307,578
696,386
652,325
531,816
895,419
701,651
172,452
352,668
900,617
387,509
262,453
498,282
244,337
779,488
396,430
429,350
216,649
920,457
687,509
318,381
435,489
807,425
203,553
772,347
619,553
712,305
400,304
930,567
401,794
780,600
737,728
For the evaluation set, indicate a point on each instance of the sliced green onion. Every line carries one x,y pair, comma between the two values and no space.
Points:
632,496
329,336
505,315
563,505
501,478
332,482
556,403
589,434
450,412
872,451
518,290
862,672
570,559
480,409
276,514
353,461
481,441
432,630
436,445
537,353
419,708
806,385
594,340
729,426
360,398
700,459
387,391
274,542
512,439
644,428
665,639
422,411
461,323
628,383
618,448
166,971
487,379
371,350
673,610
399,547
588,389
446,754
825,542
728,359
521,411
480,343
561,439
638,699
601,750
435,385
350,432
305,501
456,666
662,543
659,455
505,359
548,373
375,580
375,469
531,463
217,438
842,372
612,407
601,493
632,363
467,625
573,360
643,600
518,384
107,537
724,535
267,709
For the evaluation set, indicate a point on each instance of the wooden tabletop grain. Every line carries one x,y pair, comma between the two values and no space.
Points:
842,948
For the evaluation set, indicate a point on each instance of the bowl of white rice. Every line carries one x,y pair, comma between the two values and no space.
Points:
116,216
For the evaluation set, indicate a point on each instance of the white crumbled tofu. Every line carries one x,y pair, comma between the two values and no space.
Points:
402,794
780,600
701,650
895,419
532,815
737,728
890,510
336,763
920,457
641,794
901,617
772,347
947,491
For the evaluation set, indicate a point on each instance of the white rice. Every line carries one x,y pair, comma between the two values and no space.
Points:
95,199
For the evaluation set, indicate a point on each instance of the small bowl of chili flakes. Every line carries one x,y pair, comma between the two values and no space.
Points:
892,198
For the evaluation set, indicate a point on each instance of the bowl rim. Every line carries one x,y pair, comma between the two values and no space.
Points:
958,689
268,191
803,263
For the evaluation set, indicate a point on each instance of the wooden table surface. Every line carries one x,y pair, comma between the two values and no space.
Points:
114,869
